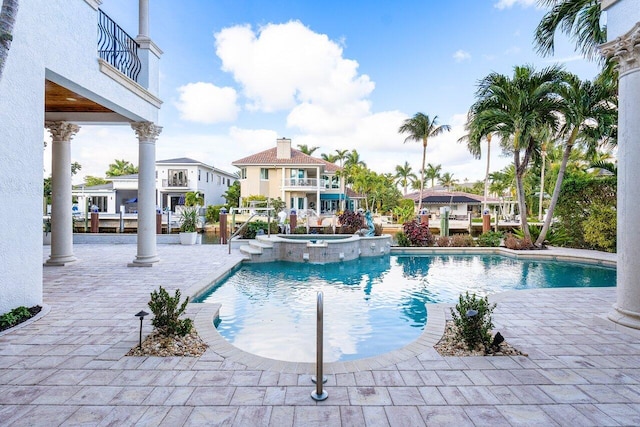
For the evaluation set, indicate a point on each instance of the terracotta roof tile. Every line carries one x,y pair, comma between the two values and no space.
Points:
269,157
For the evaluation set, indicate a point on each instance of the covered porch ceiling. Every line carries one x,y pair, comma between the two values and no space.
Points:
63,104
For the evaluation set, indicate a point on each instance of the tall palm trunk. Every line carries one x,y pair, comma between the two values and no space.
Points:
558,186
7,20
486,175
424,158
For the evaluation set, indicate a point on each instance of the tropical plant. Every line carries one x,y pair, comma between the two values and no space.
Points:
432,172
490,239
555,237
189,219
253,228
578,19
8,15
418,233
331,158
232,195
120,168
472,318
420,128
403,175
350,222
353,159
447,180
515,109
404,211
194,198
92,181
167,311
590,116
402,239
306,149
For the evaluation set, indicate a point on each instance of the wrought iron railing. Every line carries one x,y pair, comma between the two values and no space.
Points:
175,183
304,182
117,47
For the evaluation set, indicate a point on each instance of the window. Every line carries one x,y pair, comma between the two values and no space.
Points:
198,174
207,176
264,173
243,173
178,178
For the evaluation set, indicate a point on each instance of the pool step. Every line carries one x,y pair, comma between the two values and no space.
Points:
255,249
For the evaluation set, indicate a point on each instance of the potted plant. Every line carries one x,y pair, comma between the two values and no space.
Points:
188,225
46,231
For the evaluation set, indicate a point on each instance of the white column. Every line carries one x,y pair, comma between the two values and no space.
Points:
147,134
625,50
143,19
61,201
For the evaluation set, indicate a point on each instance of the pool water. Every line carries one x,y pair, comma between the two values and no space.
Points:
371,305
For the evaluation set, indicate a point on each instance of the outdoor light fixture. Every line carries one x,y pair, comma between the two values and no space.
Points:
141,315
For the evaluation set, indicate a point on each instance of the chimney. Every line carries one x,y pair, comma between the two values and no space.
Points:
283,148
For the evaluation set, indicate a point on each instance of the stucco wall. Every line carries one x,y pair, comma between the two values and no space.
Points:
56,39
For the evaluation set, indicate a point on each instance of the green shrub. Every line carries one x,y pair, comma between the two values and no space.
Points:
600,227
167,310
473,330
513,242
462,241
402,239
301,229
350,222
213,213
443,241
555,236
15,316
490,239
251,230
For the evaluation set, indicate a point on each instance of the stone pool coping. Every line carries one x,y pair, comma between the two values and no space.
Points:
433,331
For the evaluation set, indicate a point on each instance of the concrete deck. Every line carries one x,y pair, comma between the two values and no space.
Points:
69,368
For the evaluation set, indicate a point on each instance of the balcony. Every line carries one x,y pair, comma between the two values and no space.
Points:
175,183
305,183
117,47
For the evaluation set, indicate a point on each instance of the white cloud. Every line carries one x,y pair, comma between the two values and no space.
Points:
506,4
461,55
284,65
513,50
207,103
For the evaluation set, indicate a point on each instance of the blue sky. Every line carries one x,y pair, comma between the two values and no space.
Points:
235,75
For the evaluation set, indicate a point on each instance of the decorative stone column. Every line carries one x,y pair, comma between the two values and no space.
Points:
625,50
147,134
61,201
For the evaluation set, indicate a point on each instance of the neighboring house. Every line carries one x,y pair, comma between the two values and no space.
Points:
459,203
69,66
175,177
303,182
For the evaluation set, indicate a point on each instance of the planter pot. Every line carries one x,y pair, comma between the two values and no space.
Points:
188,238
46,238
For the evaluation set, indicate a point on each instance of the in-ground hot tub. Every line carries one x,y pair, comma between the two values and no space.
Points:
321,248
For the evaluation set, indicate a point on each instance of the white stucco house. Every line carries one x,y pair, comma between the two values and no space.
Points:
174,178
69,66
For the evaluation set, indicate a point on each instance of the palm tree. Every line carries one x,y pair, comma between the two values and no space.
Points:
590,113
341,155
121,167
420,128
473,145
578,19
447,180
353,159
432,172
331,158
307,150
515,109
7,21
403,175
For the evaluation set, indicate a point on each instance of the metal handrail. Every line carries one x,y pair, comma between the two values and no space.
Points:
117,47
235,233
319,394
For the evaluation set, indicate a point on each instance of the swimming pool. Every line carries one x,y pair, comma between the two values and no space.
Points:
371,305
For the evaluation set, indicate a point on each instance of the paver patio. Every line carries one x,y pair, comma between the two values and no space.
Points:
69,368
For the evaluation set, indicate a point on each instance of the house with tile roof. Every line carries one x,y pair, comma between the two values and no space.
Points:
461,204
174,178
303,182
